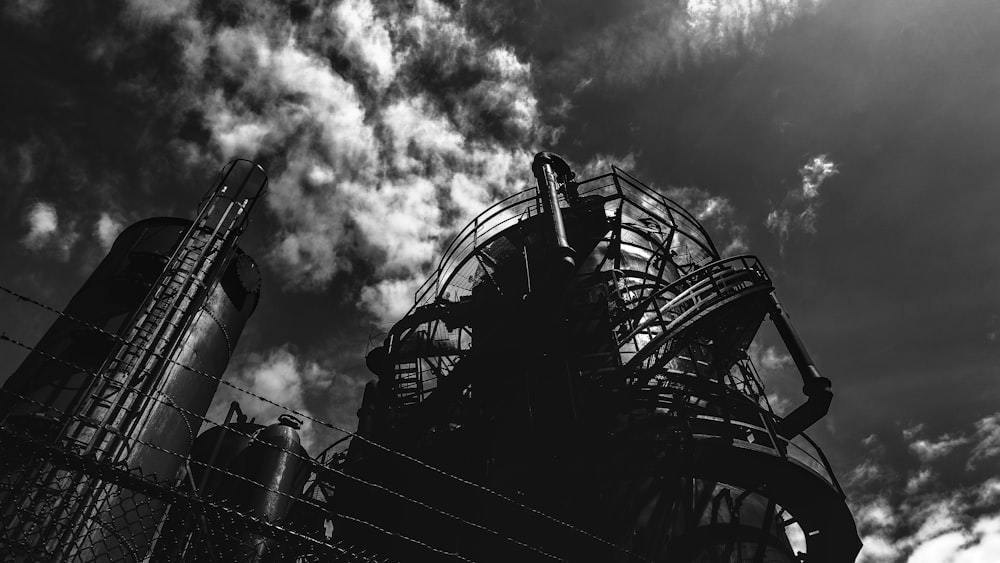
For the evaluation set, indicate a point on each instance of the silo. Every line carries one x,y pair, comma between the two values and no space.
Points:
115,391
248,472
581,352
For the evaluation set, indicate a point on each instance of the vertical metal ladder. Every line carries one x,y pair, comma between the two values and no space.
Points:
407,383
108,416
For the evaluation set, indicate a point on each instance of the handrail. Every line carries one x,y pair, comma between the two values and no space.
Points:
694,292
524,204
779,445
750,263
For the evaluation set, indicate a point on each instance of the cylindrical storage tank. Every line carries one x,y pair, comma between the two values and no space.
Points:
108,299
173,419
187,536
274,471
254,477
53,382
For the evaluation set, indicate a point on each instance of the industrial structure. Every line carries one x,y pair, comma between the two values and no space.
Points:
582,348
572,384
113,395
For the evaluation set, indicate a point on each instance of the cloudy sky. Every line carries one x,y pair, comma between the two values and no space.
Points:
853,145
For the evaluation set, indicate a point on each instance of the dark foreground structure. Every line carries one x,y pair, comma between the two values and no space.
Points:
572,384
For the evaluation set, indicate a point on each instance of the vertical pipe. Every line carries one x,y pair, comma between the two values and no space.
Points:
816,388
812,381
548,168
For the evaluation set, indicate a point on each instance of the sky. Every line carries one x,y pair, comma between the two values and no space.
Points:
852,145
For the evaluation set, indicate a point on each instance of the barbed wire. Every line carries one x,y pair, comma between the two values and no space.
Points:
120,470
168,401
365,439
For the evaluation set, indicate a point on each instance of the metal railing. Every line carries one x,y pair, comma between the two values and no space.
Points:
647,325
612,188
735,419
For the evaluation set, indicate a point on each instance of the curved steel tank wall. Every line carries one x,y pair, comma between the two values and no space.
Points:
187,536
255,472
109,299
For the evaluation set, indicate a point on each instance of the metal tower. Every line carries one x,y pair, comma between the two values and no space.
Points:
115,392
581,350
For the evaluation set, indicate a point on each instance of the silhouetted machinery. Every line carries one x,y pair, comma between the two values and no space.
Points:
582,351
572,384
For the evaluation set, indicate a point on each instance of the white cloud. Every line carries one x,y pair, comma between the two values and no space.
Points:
989,491
796,537
601,164
737,243
390,299
940,549
46,233
107,229
771,359
912,431
280,376
800,209
913,521
157,10
928,450
984,546
877,514
917,481
770,363
958,527
780,404
402,222
647,38
43,224
716,213
814,173
379,160
419,137
866,472
980,544
986,439
877,548
365,39
719,26
26,10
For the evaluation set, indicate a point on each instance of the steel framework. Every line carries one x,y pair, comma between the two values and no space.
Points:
583,347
